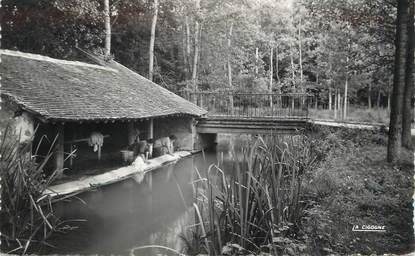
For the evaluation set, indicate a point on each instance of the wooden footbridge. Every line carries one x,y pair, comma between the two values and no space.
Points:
254,113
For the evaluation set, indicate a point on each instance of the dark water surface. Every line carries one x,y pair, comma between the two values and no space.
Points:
128,214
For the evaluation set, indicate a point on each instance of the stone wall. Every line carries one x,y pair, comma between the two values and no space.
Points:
21,124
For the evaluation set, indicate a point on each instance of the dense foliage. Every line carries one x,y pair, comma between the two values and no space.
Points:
313,46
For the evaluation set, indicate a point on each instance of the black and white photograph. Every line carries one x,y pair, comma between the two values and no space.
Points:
207,127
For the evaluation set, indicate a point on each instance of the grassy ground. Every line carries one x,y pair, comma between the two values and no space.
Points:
374,115
355,186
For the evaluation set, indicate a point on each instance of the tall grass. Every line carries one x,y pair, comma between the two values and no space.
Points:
355,114
26,215
258,207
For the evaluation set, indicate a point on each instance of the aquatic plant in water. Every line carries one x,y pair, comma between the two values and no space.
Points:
258,208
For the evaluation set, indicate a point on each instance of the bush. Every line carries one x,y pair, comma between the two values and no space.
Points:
352,185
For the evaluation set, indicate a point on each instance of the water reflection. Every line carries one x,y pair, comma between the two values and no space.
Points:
153,209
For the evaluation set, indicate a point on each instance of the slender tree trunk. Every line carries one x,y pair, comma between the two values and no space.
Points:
339,104
107,28
330,98
389,101
330,83
345,98
395,125
188,45
346,85
409,82
301,56
389,93
256,61
185,63
335,104
292,64
229,64
369,96
278,88
378,99
271,73
196,50
316,99
277,65
152,40
200,58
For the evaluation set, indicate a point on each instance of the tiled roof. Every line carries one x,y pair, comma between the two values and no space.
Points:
61,90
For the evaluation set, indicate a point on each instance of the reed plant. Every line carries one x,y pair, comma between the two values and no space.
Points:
27,215
257,208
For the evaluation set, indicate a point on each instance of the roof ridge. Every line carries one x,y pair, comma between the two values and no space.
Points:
53,60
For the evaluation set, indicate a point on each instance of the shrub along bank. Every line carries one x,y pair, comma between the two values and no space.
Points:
354,185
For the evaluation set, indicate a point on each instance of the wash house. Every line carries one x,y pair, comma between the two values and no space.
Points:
88,114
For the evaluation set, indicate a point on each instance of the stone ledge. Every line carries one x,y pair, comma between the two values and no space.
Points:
348,124
86,183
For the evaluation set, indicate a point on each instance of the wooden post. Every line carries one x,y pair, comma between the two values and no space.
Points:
71,158
150,133
131,133
59,150
99,153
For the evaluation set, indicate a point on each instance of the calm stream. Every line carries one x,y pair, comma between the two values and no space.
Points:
128,214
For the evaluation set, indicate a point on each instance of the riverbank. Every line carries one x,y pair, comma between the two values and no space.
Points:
355,114
136,170
354,185
349,191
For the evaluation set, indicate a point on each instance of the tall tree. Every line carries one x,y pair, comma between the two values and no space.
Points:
229,64
271,68
409,82
229,61
196,48
401,44
107,21
300,48
152,40
187,41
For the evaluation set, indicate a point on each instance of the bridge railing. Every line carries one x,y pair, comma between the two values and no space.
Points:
267,105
